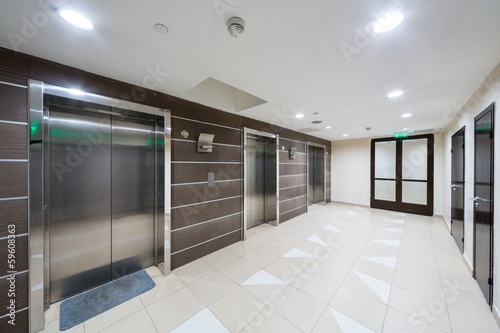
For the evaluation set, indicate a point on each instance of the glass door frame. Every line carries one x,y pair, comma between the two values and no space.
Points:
398,205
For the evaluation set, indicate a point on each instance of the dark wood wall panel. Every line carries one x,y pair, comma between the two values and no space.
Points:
14,212
290,181
14,66
291,169
184,238
202,250
290,215
288,144
187,151
21,282
14,179
292,204
21,255
22,323
292,192
299,158
198,172
13,141
185,216
14,103
197,193
222,134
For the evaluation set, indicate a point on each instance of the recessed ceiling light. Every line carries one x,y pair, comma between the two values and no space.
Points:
406,115
161,28
405,129
328,127
395,94
76,19
345,134
387,22
299,115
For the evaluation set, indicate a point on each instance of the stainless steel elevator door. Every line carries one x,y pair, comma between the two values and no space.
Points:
260,162
316,174
133,195
79,188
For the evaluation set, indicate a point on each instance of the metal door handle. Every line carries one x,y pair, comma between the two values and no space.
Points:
479,199
456,186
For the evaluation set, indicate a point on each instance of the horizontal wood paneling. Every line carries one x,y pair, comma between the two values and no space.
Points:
222,135
202,250
288,144
299,158
293,192
14,103
14,179
22,323
185,216
198,172
21,284
293,181
187,151
290,169
21,255
290,215
197,234
13,141
14,212
14,67
292,204
196,193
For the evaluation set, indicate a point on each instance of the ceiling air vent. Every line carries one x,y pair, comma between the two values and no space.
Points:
308,129
235,26
424,130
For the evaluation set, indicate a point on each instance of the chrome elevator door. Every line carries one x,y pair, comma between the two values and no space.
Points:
316,174
260,161
101,194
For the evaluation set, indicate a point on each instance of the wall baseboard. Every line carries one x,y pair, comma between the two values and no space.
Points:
496,315
350,203
468,265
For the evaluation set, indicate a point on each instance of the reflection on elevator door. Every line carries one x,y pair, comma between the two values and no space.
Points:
100,171
316,174
260,164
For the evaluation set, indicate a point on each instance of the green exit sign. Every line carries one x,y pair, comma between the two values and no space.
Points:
399,135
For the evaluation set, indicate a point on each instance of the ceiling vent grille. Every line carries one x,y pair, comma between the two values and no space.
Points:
235,26
308,129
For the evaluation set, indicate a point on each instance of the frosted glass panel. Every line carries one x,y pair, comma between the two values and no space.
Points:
385,190
415,159
385,159
415,193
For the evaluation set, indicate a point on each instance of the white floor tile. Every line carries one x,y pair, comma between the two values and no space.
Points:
202,322
262,278
384,261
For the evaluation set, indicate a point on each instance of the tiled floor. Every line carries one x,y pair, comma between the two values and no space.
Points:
339,268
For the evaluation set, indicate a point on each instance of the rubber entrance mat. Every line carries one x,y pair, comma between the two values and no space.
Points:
80,308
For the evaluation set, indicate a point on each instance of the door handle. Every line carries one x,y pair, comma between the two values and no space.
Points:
456,186
479,199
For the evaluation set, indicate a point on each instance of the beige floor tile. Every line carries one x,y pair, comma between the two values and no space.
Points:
425,271
284,270
236,309
329,269
327,323
463,322
53,312
397,322
475,305
276,248
265,294
193,271
220,258
316,286
260,258
360,308
173,310
53,327
241,248
376,270
138,322
211,287
461,282
239,270
299,308
418,285
165,285
270,321
113,315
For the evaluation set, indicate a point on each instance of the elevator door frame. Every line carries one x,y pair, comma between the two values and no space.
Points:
37,252
312,144
246,203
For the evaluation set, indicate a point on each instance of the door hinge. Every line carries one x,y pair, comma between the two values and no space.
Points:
452,151
463,146
462,239
490,281
491,135
451,222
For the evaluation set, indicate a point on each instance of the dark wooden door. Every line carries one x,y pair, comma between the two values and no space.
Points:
483,201
457,187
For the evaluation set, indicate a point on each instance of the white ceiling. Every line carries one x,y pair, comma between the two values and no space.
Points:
289,55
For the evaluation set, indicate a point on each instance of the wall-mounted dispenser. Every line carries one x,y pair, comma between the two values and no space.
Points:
205,144
293,150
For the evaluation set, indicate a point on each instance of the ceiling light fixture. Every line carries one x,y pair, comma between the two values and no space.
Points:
76,19
387,22
406,115
405,129
161,28
328,127
299,115
395,94
345,134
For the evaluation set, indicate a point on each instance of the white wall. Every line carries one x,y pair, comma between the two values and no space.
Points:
488,92
351,172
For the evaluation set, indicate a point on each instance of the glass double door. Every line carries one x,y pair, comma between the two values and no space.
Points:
402,174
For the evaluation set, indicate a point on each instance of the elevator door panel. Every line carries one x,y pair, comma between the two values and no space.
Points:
256,182
316,174
133,195
79,167
270,180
